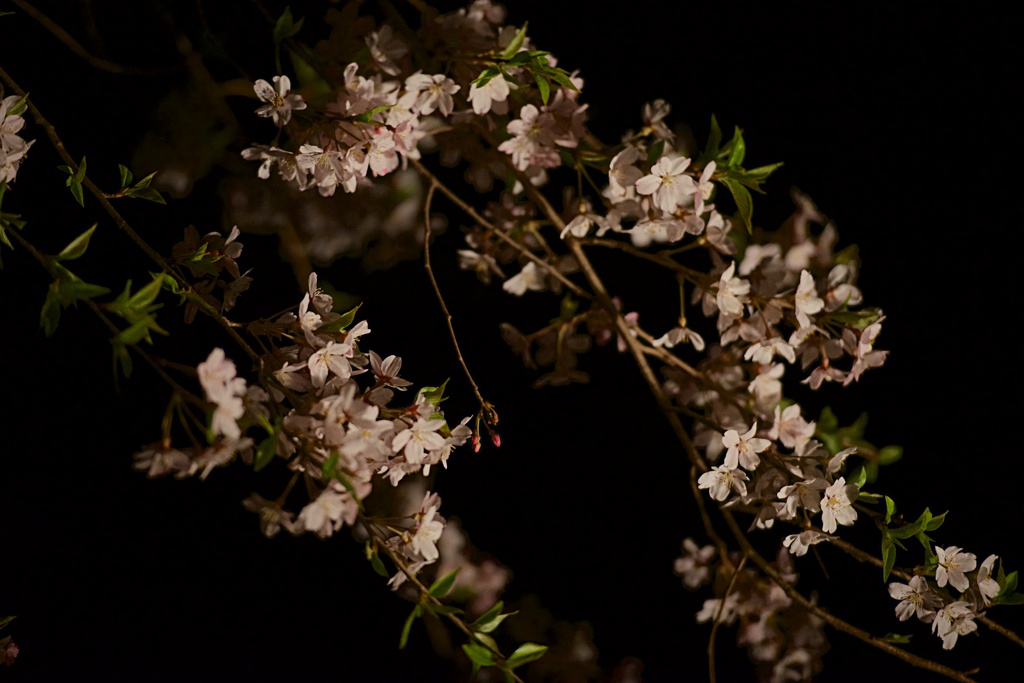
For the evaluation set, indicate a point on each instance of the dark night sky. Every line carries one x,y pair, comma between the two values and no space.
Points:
897,122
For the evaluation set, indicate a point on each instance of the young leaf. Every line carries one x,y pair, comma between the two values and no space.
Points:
407,628
265,452
77,246
478,655
375,561
890,509
896,638
341,323
49,317
286,26
544,86
6,620
738,151
888,555
744,202
526,653
889,454
126,175
517,42
440,588
433,395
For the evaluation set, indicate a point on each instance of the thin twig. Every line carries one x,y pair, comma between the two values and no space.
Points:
98,62
484,223
718,619
490,415
121,223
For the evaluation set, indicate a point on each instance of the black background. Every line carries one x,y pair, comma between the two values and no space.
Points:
896,121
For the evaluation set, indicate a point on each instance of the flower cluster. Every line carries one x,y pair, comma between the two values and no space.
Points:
950,617
784,640
340,437
12,147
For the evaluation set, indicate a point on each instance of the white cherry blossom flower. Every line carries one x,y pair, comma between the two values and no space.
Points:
279,102
837,505
799,544
721,480
743,449
529,278
987,586
954,620
484,97
732,292
694,565
915,598
790,427
667,183
953,562
807,302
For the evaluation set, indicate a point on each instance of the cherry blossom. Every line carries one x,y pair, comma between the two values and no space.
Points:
279,101
953,562
667,183
837,505
743,449
915,598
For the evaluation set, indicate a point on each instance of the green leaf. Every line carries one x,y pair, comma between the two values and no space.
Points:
433,395
147,193
827,422
544,86
147,295
485,619
479,655
890,509
1010,585
744,202
77,246
440,588
655,151
486,76
935,522
21,104
858,476
1014,599
890,454
404,639
126,175
739,150
375,561
896,638
330,468
367,116
710,152
76,192
136,332
341,323
122,358
80,173
888,555
6,620
265,452
49,317
74,290
859,319
517,42
526,653
286,26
